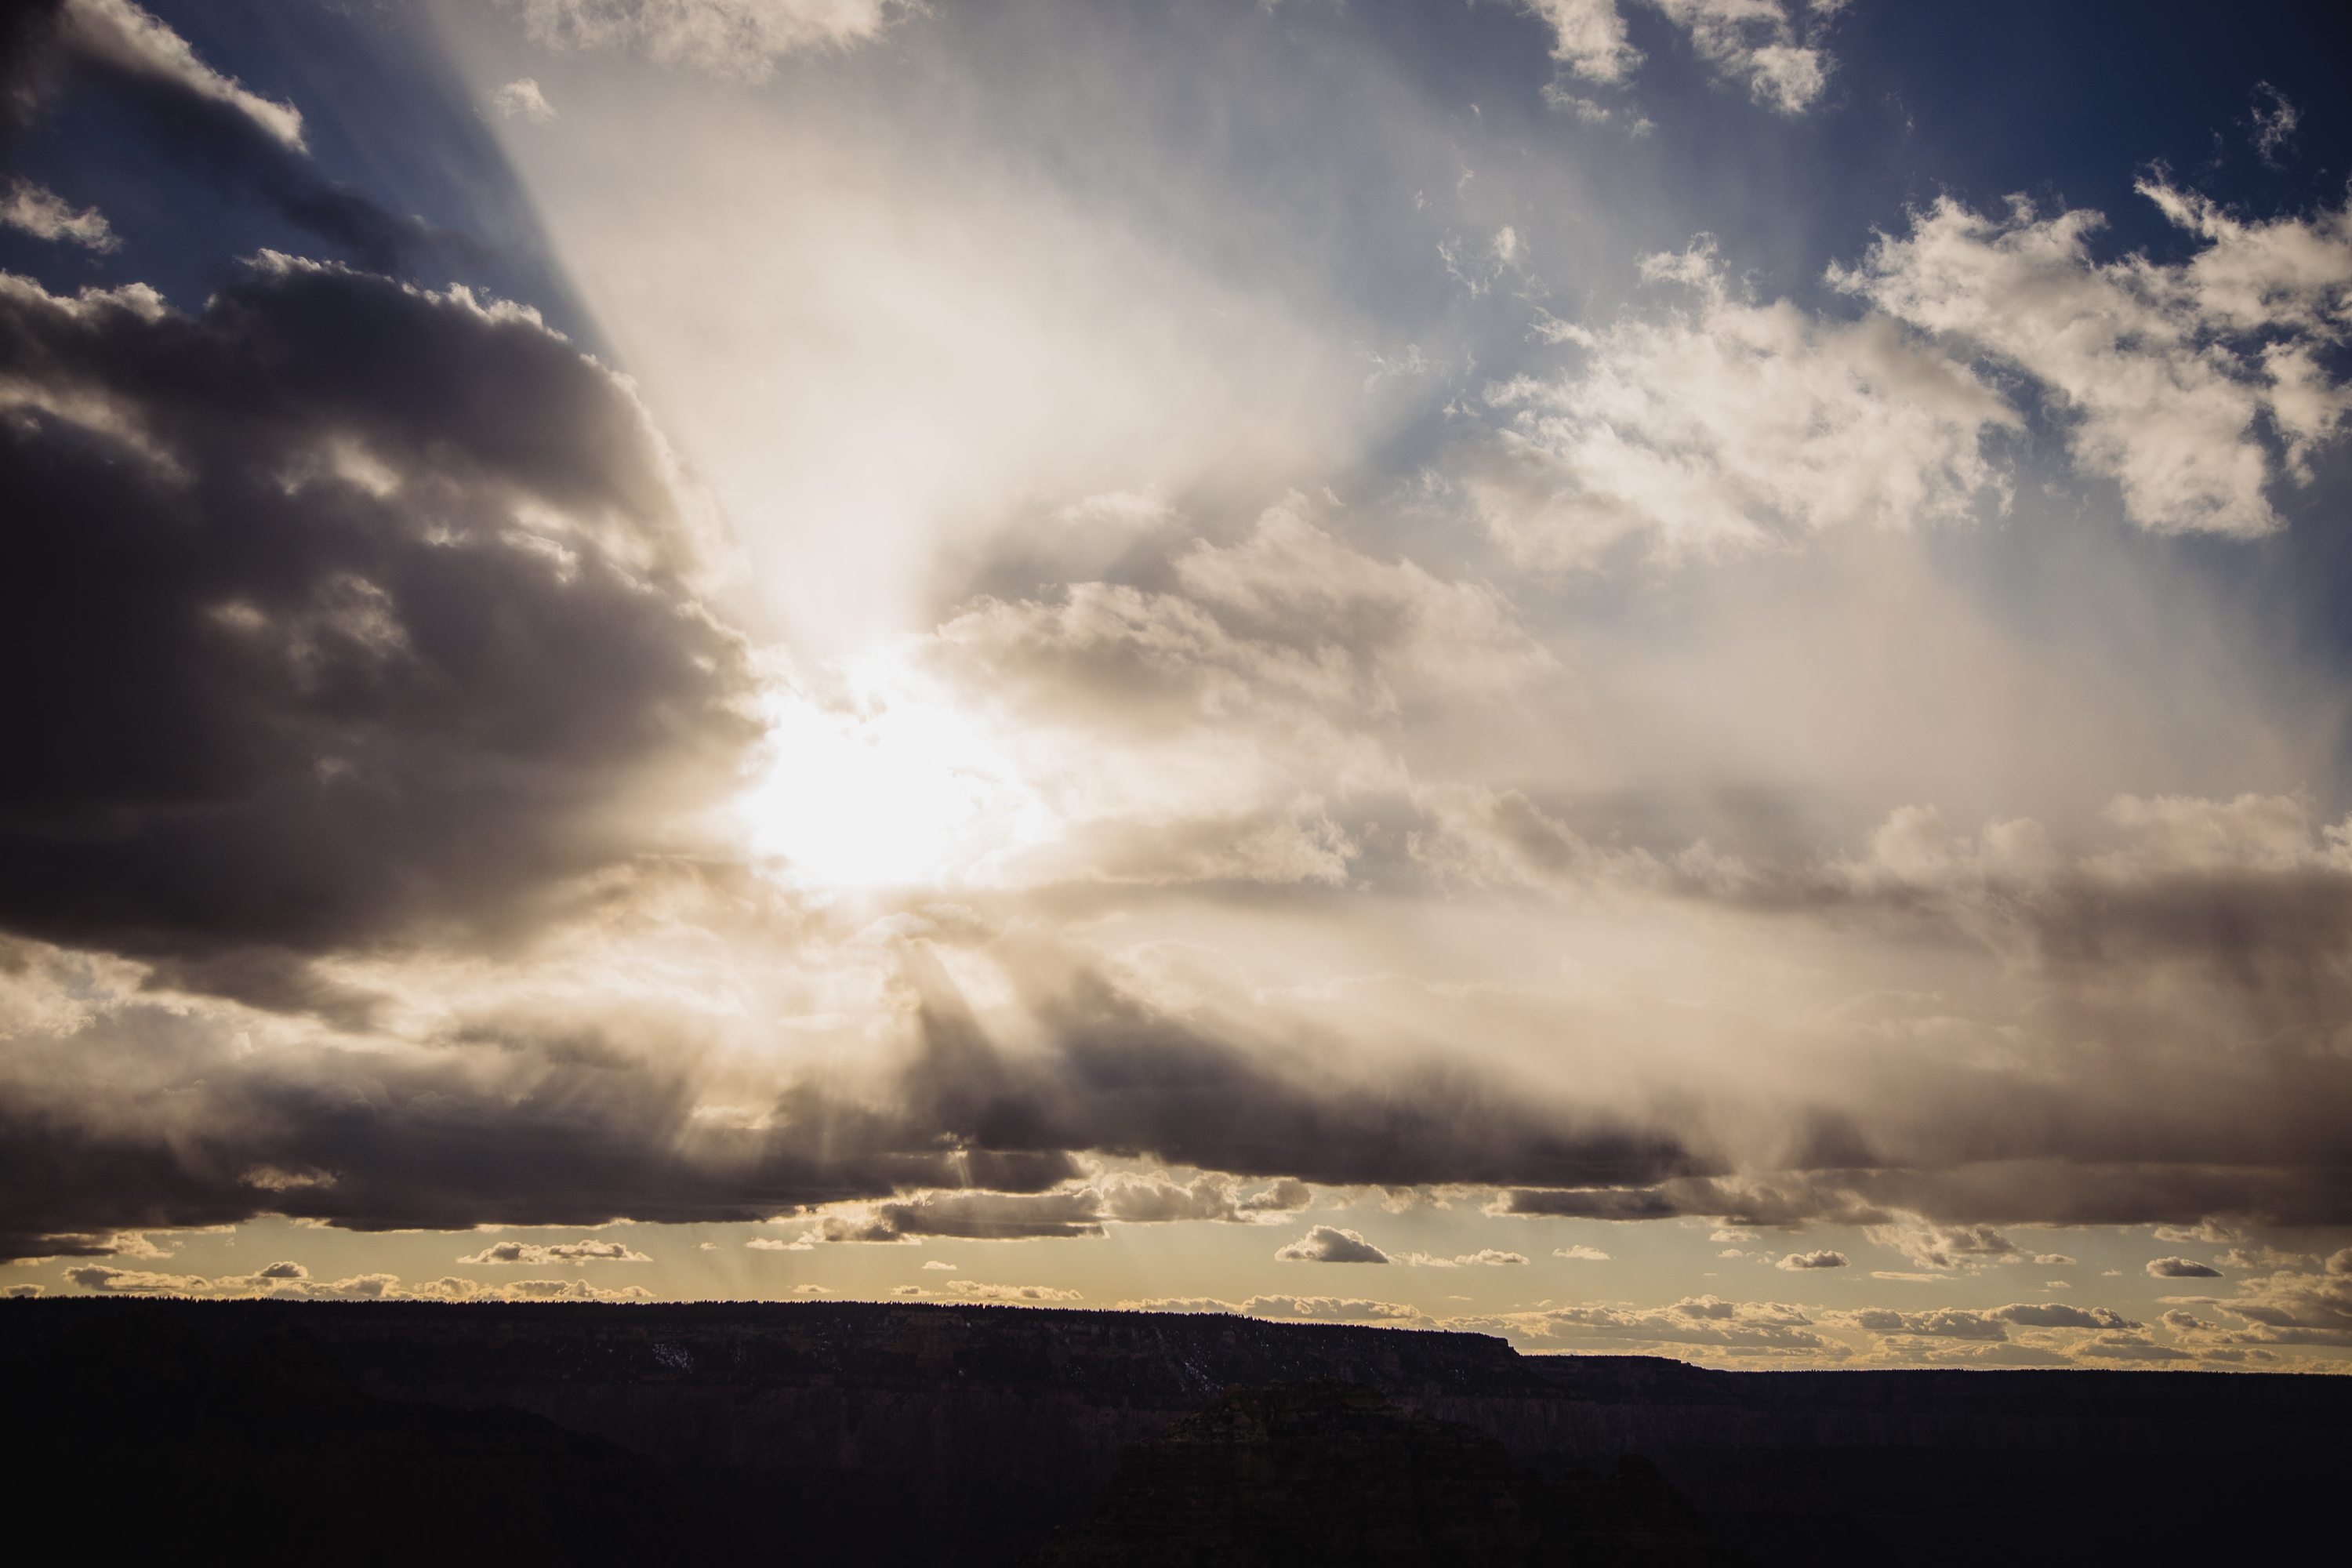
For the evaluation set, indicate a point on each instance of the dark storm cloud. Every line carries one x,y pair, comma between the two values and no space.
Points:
339,608
162,1120
207,125
2052,1188
1123,1077
159,1118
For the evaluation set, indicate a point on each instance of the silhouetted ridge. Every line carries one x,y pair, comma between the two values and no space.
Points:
1332,1473
967,1435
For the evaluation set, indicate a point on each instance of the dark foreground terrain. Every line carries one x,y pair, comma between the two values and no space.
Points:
971,1435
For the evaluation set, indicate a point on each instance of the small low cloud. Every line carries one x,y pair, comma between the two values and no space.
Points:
2275,120
2180,1269
973,1291
1331,1308
1822,1260
1945,1247
1486,1256
522,100
40,212
1581,1253
1330,1243
935,1264
537,1256
111,1281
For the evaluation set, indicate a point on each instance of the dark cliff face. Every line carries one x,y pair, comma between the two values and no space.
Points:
1315,1473
967,1435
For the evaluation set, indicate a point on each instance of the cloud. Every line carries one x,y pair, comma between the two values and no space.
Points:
2295,1307
43,213
1588,38
1732,1328
560,1291
1484,1257
1330,1309
212,126
2163,375
522,100
1579,1253
1945,1245
1762,44
738,38
282,1279
1989,1325
1130,1198
972,1290
1820,1259
980,1216
1770,46
108,1280
1320,1309
1726,424
1330,1243
539,1254
2129,1347
2059,1315
2275,120
356,608
1288,623
2180,1269
540,1119
1123,1076
136,43
1119,1197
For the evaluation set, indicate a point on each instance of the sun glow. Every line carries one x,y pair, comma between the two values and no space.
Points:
881,779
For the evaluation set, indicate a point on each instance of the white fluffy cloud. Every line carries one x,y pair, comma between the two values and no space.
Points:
522,100
1588,38
1330,1243
43,213
1723,422
1726,423
129,38
1770,46
2166,374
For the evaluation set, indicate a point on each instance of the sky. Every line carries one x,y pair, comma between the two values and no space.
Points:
1657,676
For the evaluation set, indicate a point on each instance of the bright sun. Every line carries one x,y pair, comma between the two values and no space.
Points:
888,784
